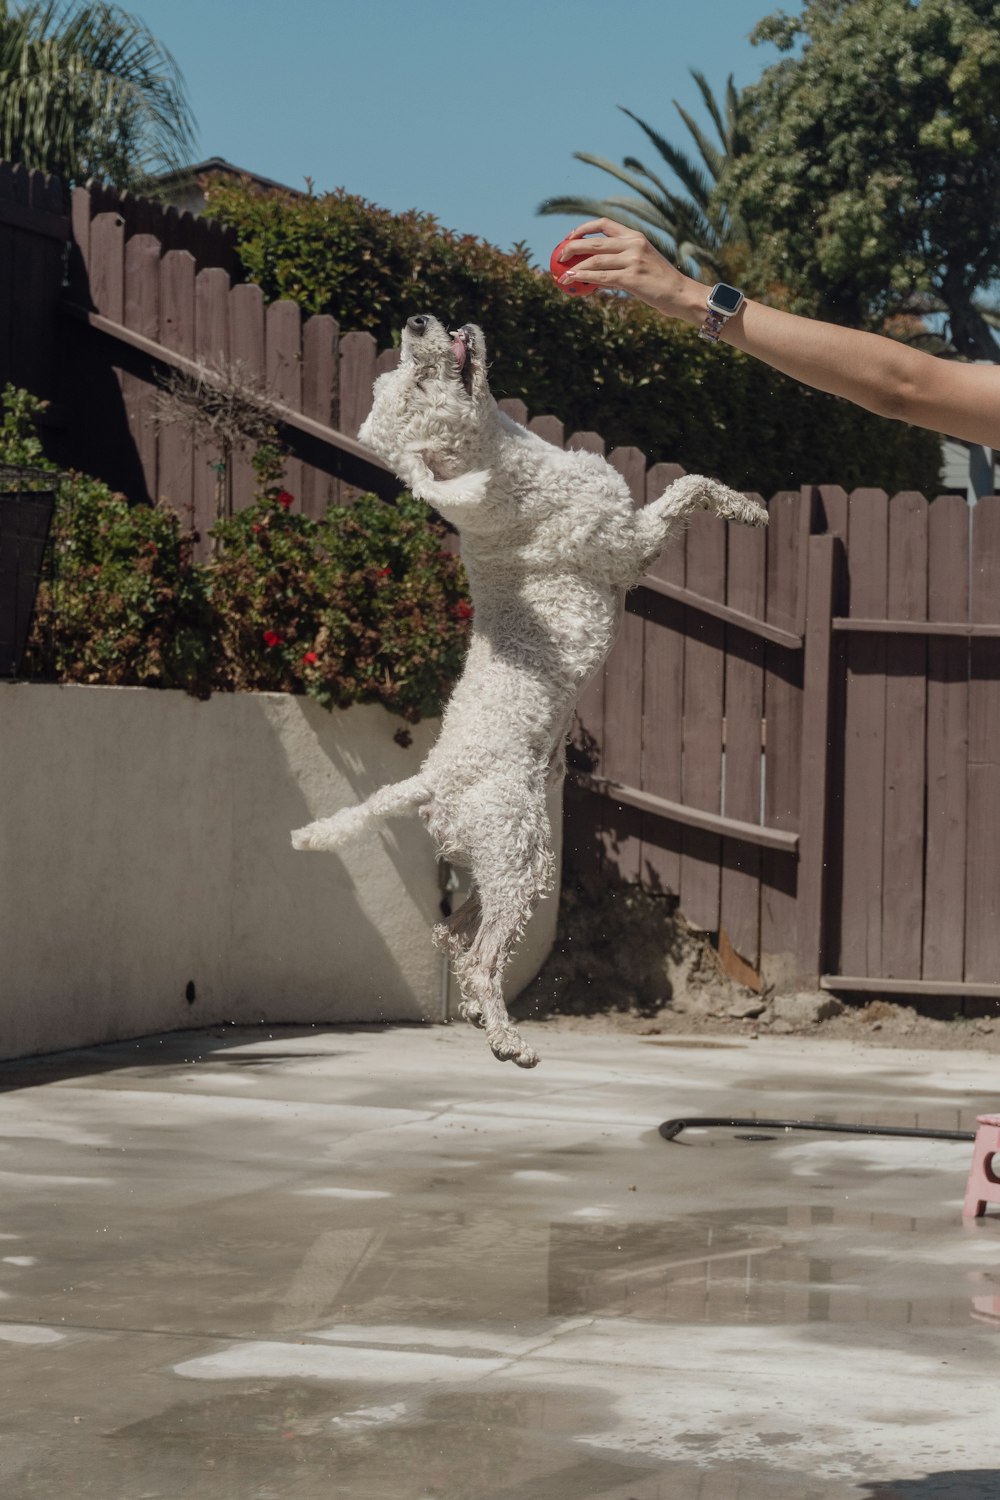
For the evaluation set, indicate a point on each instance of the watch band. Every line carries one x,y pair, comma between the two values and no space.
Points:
713,325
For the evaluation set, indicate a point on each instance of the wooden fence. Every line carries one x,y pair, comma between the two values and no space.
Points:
798,731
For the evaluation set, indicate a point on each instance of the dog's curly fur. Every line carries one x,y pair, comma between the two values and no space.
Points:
550,541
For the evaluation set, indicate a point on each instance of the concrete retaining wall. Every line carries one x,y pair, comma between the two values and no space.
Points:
147,881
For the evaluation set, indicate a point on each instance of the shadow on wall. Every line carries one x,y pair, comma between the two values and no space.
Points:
619,946
363,914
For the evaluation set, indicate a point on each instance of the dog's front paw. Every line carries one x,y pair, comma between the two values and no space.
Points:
330,833
732,506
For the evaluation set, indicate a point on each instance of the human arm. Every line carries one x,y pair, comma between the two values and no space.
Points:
878,373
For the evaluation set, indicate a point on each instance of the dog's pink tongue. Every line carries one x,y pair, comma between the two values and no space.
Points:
458,345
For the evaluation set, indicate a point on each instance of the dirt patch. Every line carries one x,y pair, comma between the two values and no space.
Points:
625,960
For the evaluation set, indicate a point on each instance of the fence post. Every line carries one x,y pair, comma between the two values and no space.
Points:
814,812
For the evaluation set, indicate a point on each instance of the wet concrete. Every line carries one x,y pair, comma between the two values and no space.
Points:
286,1264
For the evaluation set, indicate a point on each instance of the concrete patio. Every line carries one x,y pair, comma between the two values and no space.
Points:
374,1264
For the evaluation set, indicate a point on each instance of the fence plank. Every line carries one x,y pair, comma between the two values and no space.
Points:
357,374
622,737
212,487
704,679
107,270
515,409
35,289
283,339
78,261
744,690
586,442
860,948
246,348
98,380
833,509
548,427
177,332
905,729
947,742
818,707
982,930
142,315
7,242
387,361
663,703
358,356
588,721
787,558
320,400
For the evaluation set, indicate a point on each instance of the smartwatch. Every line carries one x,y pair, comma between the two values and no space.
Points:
723,303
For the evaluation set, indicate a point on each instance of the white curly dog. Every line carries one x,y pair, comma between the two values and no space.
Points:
551,542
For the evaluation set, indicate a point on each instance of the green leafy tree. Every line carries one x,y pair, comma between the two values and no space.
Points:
697,231
872,174
87,91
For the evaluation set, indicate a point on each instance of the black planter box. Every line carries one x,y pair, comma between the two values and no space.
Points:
27,500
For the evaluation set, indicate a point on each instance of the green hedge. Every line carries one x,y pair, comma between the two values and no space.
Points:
603,363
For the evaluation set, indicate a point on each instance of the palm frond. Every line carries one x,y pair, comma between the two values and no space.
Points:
690,175
630,179
87,90
711,104
710,155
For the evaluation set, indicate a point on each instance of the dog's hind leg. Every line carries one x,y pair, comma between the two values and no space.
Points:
480,970
351,823
508,893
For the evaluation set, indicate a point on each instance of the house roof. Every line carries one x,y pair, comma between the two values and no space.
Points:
182,175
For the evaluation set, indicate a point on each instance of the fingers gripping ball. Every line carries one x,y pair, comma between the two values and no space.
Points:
559,268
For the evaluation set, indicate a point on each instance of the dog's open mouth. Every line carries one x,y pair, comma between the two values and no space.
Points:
462,349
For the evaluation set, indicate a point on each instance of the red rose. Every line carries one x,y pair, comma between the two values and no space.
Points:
256,528
272,638
309,658
284,499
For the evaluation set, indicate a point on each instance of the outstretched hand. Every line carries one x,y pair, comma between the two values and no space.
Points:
623,260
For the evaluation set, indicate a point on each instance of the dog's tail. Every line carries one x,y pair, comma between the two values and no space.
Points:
352,823
657,523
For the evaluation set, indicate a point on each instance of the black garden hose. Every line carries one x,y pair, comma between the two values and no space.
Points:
671,1129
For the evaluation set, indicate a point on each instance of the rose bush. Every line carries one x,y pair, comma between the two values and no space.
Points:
367,605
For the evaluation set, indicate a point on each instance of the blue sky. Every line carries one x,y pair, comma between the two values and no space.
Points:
469,111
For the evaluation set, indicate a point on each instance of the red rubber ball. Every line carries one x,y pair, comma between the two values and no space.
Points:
559,268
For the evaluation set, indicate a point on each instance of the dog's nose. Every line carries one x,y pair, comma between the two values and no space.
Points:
418,324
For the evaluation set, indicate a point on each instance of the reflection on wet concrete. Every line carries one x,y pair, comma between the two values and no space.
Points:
380,1268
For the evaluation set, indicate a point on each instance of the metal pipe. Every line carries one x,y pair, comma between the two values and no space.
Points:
671,1129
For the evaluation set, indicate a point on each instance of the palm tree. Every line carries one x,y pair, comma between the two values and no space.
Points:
87,91
697,232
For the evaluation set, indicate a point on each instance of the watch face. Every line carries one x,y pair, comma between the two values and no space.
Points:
725,299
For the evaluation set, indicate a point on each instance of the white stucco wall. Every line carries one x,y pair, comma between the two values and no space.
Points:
144,846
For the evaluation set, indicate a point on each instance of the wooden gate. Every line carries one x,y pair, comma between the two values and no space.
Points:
914,898
798,734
